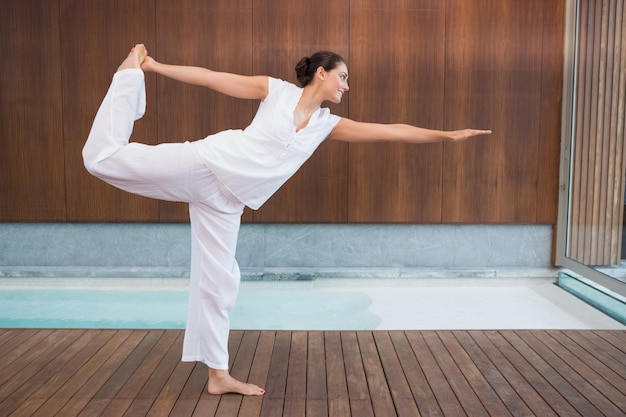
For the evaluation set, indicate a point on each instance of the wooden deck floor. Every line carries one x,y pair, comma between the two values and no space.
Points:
46,372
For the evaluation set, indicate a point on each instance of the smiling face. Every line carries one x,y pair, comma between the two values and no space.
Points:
335,82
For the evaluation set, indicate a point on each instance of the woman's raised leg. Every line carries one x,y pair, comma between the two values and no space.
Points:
169,171
124,103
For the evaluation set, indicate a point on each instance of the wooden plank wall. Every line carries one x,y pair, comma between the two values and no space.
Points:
597,202
440,64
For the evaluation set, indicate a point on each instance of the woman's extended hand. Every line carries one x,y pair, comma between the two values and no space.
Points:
148,64
461,135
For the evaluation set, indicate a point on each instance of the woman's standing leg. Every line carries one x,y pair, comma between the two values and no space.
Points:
214,287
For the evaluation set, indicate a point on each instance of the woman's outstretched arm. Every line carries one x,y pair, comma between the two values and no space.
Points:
240,86
351,131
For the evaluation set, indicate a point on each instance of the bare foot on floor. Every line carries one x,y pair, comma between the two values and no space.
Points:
220,382
135,58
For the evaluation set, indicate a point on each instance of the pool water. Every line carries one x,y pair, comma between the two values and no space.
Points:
290,306
319,304
56,308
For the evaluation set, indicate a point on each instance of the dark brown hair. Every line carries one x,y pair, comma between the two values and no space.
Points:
306,68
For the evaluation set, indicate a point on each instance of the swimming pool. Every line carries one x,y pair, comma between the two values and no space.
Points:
285,305
319,304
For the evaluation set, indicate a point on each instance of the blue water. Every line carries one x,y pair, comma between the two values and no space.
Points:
285,308
37,308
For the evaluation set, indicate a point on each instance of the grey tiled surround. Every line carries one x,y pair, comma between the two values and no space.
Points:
276,250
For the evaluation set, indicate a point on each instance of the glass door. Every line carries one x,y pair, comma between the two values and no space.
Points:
593,164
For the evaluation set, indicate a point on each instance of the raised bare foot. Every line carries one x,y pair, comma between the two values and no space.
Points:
135,58
220,382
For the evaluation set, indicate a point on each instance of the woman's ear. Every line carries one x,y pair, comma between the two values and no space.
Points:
321,72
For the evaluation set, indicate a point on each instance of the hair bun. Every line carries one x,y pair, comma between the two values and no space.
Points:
302,70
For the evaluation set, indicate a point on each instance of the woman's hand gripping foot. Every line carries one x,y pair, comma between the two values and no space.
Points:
135,58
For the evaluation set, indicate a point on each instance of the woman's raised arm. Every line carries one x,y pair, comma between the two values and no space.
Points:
351,131
234,85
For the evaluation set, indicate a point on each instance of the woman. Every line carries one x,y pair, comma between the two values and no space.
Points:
222,173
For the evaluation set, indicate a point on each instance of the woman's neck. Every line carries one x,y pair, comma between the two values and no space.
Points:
307,105
309,102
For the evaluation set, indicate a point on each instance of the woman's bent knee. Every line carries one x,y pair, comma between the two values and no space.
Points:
92,165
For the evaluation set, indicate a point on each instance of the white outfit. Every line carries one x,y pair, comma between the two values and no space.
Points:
255,162
217,176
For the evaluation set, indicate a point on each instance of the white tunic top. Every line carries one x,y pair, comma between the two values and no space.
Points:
254,163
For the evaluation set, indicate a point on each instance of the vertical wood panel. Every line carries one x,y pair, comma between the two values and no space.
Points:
397,51
597,201
284,31
441,64
211,34
577,190
95,37
31,134
550,112
493,80
617,132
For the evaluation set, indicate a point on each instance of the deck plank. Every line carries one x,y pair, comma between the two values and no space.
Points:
39,352
613,344
166,399
316,397
392,370
295,390
338,402
120,403
536,397
418,384
535,376
379,391
277,376
442,390
11,363
16,341
189,396
251,406
139,373
499,375
596,355
587,382
141,404
85,392
66,365
475,378
562,384
360,400
461,387
120,377
52,404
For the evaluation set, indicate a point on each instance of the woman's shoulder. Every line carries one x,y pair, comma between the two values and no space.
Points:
279,85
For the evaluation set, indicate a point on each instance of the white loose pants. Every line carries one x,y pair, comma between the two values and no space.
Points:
174,172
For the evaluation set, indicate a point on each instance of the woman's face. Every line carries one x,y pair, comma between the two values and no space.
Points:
336,83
